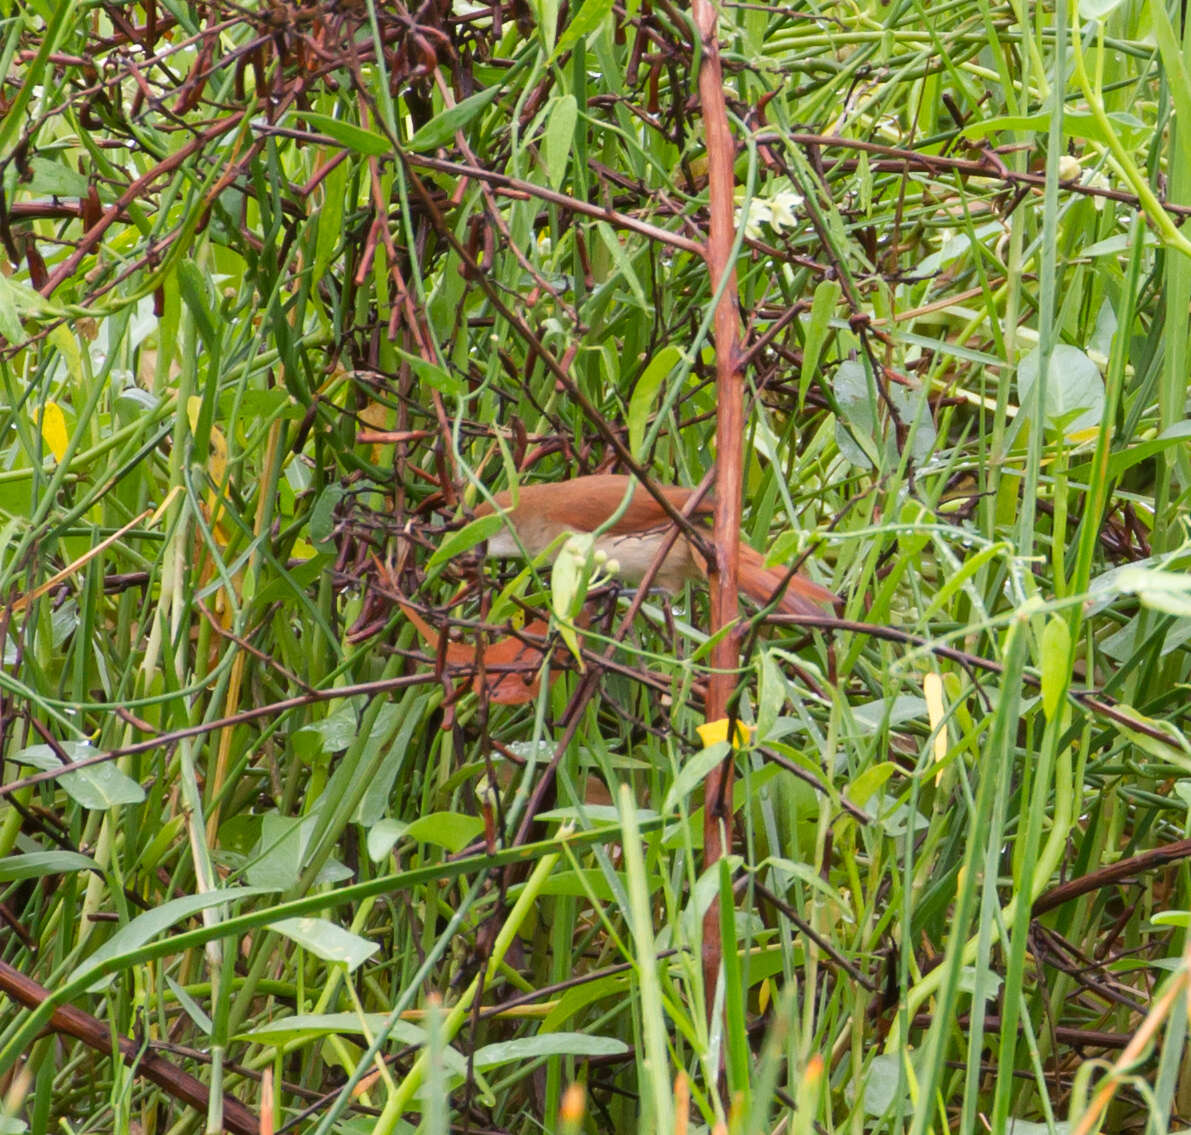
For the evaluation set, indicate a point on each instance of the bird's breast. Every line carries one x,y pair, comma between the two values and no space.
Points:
634,555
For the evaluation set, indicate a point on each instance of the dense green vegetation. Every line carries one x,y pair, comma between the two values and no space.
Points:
287,290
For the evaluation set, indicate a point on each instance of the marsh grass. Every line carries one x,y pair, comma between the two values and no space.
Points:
278,308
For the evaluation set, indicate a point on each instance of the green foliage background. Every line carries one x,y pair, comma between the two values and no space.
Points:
286,289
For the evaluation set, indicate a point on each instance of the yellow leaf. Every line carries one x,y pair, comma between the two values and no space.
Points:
712,732
932,689
377,415
53,430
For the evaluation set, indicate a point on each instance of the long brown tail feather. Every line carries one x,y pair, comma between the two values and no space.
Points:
802,596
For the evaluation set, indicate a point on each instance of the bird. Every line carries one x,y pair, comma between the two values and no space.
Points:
545,513
512,663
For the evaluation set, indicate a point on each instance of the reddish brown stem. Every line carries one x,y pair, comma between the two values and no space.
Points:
721,154
97,1034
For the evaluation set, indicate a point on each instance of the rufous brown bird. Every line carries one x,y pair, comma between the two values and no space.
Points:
512,663
544,513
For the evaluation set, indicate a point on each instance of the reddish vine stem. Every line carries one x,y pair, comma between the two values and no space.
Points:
721,154
98,1036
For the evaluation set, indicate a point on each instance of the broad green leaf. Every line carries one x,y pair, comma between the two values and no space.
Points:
547,1044
1177,434
913,409
545,14
331,734
52,178
1116,245
575,1000
596,813
196,289
1097,9
64,339
98,787
329,218
1166,591
856,434
328,941
582,882
623,264
991,983
315,1026
1121,645
773,689
37,863
391,731
1074,389
10,312
281,851
883,1082
322,516
441,128
1101,339
915,520
811,879
559,137
276,402
957,246
383,836
870,782
1059,1127
452,830
889,712
1172,746
456,543
19,301
191,1007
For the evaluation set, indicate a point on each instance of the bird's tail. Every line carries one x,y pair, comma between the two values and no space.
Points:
760,583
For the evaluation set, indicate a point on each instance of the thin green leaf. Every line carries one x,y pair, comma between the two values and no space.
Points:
356,138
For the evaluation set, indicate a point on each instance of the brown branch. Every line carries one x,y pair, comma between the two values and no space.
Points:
136,190
896,160
97,1035
1108,876
1077,1038
722,573
512,185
